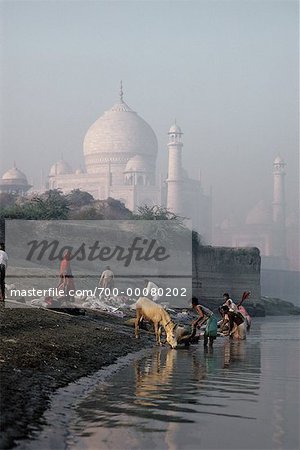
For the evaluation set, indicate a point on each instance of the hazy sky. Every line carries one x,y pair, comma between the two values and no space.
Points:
227,70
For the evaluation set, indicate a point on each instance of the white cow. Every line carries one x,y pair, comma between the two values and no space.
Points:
158,315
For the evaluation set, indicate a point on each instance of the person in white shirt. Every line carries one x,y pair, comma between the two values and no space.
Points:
3,266
151,290
107,279
229,302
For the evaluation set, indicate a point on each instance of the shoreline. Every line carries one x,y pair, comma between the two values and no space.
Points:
42,351
63,402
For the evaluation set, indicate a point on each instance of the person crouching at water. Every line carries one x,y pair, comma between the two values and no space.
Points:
205,315
233,323
229,302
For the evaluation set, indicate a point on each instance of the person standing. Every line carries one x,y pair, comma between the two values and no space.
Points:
66,277
107,279
3,267
205,315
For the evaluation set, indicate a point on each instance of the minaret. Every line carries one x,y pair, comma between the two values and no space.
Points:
174,181
121,93
279,237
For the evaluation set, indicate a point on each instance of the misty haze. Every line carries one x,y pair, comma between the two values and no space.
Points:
227,71
168,123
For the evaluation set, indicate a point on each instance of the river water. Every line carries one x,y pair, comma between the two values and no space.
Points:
240,395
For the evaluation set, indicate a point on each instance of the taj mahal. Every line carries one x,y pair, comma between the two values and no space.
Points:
120,151
120,154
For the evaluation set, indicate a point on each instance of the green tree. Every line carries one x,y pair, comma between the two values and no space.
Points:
48,206
7,200
156,212
51,205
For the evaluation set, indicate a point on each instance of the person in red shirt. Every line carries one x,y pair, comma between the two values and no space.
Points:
66,276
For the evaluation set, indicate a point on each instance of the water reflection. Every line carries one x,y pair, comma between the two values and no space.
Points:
240,395
168,391
233,351
153,374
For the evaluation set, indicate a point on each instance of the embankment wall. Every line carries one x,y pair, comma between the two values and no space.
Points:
221,269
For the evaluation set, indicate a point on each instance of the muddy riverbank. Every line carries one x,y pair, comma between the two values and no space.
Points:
42,351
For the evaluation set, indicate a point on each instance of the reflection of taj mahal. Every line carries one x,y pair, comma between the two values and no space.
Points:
120,151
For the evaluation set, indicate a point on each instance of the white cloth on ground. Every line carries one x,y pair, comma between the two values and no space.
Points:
152,290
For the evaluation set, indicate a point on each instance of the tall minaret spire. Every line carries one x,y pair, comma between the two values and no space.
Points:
278,191
174,181
121,91
279,237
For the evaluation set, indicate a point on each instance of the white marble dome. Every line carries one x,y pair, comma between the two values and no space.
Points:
14,181
60,168
117,136
14,174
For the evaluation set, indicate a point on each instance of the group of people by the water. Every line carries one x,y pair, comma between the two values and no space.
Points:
234,319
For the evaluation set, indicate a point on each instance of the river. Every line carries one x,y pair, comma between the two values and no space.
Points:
240,395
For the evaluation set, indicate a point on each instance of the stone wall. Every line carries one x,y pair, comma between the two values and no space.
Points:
220,269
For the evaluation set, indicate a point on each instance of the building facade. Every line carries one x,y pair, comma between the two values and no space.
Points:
120,151
266,227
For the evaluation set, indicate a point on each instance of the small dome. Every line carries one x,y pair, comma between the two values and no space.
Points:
259,215
60,168
137,164
15,174
175,129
